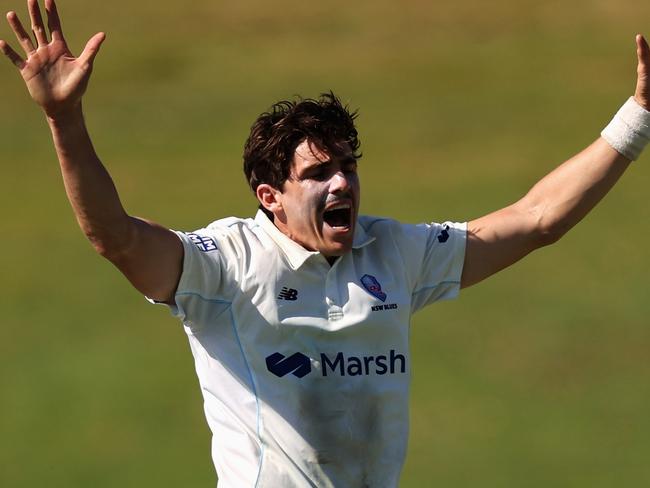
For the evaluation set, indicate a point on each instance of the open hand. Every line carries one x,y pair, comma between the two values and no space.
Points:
642,93
56,80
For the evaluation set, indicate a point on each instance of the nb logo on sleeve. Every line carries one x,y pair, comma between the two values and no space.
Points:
288,294
444,235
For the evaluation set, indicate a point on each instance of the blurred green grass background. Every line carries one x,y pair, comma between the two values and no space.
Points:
538,377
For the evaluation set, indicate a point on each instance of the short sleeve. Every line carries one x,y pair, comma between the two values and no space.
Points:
207,278
438,278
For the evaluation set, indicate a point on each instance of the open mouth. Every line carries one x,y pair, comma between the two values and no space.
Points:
339,216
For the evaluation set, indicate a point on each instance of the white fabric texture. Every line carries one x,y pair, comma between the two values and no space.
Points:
305,367
629,130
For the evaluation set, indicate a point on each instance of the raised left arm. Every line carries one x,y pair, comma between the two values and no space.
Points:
559,200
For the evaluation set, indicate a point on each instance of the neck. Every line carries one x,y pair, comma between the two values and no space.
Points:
331,259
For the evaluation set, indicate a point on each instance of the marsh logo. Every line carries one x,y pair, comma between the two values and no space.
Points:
300,365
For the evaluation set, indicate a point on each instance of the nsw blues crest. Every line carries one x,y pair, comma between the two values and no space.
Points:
371,284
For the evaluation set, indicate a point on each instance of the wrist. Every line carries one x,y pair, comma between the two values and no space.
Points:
64,116
629,131
644,102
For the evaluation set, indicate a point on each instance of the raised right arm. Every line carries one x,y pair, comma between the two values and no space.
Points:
149,255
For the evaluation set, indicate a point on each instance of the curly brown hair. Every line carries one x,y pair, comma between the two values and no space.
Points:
270,147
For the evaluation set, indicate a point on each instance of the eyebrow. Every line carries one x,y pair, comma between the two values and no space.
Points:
314,166
349,159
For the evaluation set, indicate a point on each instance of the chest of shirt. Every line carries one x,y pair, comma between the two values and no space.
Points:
353,307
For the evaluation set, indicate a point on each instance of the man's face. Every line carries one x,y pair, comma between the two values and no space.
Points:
319,202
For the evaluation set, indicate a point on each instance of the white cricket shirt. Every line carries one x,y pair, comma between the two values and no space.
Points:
305,367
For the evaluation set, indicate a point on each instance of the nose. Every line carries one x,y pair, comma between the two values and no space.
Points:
339,182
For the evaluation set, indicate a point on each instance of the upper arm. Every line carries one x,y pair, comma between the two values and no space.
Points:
433,254
497,240
152,259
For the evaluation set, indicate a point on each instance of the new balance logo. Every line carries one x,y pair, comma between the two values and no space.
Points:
444,234
297,364
288,294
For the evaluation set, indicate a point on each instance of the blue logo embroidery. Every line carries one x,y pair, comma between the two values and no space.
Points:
297,364
204,243
290,294
444,235
371,284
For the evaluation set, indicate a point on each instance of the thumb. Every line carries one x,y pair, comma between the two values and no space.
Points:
92,48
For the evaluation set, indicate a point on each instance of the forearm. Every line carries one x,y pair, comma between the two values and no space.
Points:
88,185
553,206
563,197
149,255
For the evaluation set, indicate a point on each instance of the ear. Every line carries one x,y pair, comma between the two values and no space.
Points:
269,197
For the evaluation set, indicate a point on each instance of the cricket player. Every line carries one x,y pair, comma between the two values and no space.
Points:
298,318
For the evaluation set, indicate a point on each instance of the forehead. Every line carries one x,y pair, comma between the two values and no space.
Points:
308,154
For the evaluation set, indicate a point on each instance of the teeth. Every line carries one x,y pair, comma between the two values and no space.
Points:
339,206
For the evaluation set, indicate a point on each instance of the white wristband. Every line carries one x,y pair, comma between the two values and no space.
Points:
629,130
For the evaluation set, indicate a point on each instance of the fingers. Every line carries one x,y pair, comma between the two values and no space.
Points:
23,38
37,22
642,51
92,48
642,92
12,55
643,56
53,21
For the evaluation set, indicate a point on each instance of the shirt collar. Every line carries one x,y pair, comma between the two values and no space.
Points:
295,253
